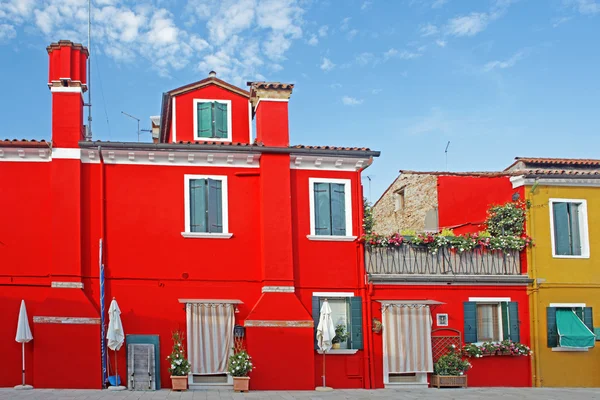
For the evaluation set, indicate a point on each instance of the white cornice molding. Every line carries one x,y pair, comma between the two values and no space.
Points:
66,154
325,163
24,154
518,181
172,158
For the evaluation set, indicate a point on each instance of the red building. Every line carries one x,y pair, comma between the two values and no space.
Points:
427,301
209,227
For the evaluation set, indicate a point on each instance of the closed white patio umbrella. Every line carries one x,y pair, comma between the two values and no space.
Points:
325,335
116,337
23,336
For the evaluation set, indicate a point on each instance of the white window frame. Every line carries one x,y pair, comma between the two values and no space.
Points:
348,200
497,302
583,227
229,126
187,233
568,305
336,295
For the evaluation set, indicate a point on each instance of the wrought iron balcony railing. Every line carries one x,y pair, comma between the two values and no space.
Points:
407,259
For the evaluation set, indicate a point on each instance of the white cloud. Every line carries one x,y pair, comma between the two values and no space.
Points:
364,59
366,5
351,101
345,25
390,53
468,25
350,35
438,3
428,30
323,31
441,43
404,54
376,91
511,62
314,40
327,64
587,6
335,85
559,21
7,32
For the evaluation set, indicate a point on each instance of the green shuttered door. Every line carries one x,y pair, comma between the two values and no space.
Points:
198,200
356,340
470,316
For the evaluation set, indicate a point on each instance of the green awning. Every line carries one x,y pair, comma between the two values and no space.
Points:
572,332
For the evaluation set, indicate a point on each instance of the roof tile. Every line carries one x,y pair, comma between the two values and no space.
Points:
23,143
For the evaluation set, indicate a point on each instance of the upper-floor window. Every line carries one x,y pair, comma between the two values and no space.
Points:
399,200
569,228
490,320
206,206
212,120
330,209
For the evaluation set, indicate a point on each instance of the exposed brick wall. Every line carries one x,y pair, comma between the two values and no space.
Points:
420,196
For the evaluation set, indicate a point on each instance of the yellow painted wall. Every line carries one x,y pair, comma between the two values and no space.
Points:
563,281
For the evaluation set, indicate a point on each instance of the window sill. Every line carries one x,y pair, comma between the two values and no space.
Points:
586,256
202,235
339,351
323,238
573,349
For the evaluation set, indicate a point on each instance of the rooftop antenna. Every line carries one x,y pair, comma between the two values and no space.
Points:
88,131
446,151
138,122
369,178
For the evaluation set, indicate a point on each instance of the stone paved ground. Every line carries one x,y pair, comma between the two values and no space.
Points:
442,394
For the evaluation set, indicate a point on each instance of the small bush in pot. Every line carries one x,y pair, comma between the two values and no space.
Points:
340,336
179,365
450,369
239,366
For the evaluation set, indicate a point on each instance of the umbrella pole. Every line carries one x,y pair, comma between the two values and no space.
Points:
324,385
116,371
23,354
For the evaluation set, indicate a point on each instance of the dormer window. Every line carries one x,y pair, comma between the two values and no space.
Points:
212,120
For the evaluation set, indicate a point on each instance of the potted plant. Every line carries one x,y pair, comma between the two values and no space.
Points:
340,336
179,365
240,365
450,369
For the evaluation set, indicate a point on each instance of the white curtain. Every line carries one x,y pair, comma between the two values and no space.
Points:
210,336
407,339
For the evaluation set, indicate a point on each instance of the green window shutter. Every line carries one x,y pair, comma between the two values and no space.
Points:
198,206
551,327
505,320
322,209
220,115
513,318
316,313
338,209
204,120
470,317
562,245
575,242
215,206
588,318
356,341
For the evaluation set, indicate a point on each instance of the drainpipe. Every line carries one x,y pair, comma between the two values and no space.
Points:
101,247
535,292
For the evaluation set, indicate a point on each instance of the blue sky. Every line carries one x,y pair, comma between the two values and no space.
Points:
496,78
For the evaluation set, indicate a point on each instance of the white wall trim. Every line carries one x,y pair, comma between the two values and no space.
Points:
224,197
66,89
333,294
334,352
65,153
67,285
489,299
278,289
518,181
250,122
25,154
568,305
174,129
572,349
583,227
203,235
229,125
210,301
323,238
348,199
311,162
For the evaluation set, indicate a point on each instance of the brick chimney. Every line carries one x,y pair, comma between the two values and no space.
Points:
270,105
67,82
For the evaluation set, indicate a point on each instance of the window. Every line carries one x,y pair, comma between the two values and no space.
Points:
570,327
491,320
330,209
346,310
206,206
399,200
212,120
569,228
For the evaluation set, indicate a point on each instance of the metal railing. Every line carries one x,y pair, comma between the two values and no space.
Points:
408,259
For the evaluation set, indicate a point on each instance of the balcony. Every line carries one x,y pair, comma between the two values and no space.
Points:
408,263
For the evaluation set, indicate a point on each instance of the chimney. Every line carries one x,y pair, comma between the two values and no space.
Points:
270,105
67,81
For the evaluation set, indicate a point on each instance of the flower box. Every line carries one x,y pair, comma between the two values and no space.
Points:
448,381
179,383
241,383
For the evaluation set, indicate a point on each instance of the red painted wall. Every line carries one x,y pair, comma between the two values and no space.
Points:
184,113
464,200
491,371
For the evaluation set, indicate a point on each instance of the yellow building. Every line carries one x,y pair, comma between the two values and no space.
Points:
564,221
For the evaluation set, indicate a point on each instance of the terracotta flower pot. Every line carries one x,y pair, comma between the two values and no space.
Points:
241,383
335,346
179,382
